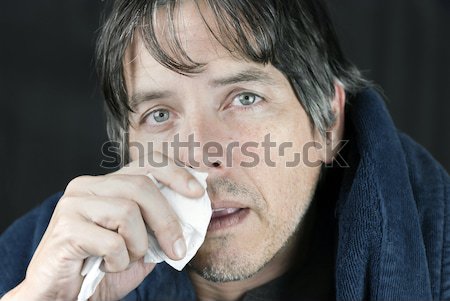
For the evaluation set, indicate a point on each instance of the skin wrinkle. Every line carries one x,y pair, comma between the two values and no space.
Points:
308,68
259,249
247,75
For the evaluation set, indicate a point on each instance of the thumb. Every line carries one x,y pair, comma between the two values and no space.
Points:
138,270
118,285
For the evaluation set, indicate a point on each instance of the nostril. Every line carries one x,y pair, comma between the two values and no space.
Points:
216,164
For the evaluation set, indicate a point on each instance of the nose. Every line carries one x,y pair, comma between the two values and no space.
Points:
201,143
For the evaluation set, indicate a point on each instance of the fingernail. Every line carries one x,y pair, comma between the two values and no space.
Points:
194,185
179,248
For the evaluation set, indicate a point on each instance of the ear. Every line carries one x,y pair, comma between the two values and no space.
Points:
330,143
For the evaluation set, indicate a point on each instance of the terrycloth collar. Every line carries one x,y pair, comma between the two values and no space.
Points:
380,253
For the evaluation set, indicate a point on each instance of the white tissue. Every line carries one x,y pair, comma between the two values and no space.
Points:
194,216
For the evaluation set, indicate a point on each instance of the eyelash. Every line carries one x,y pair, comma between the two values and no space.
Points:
253,106
241,107
148,114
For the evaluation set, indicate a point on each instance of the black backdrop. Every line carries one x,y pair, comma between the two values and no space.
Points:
52,124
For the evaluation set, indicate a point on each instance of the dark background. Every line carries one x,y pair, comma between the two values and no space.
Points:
52,124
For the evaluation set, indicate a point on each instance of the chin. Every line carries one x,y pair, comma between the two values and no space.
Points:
218,261
224,259
225,271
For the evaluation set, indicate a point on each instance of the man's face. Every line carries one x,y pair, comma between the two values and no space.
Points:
230,101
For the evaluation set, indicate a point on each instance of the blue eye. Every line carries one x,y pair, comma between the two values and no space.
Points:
160,115
247,99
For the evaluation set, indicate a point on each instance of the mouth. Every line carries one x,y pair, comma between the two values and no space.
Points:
224,216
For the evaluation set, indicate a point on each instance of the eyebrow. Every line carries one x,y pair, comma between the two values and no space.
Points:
247,75
138,98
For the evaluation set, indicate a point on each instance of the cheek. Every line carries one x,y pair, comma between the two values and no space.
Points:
134,151
287,190
287,142
288,172
141,144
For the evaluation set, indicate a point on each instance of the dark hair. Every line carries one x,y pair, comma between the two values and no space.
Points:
296,36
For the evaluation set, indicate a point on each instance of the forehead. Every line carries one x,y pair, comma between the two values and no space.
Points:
195,41
185,35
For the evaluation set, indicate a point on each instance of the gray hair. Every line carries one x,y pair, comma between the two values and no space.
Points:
295,36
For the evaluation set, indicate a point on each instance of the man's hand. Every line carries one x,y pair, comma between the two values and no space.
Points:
107,216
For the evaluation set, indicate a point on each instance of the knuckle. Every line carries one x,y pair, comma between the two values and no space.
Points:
180,179
116,177
138,251
170,227
114,246
141,250
185,175
63,229
142,246
124,263
141,182
129,210
67,205
116,255
116,264
63,202
62,224
75,183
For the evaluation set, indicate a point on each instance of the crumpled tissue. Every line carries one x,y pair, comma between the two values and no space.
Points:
194,216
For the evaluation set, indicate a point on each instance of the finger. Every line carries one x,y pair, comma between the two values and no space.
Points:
94,240
154,208
120,215
171,174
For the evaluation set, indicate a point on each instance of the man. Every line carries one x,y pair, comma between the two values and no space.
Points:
369,221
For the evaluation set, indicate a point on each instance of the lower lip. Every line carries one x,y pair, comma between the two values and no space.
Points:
229,220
